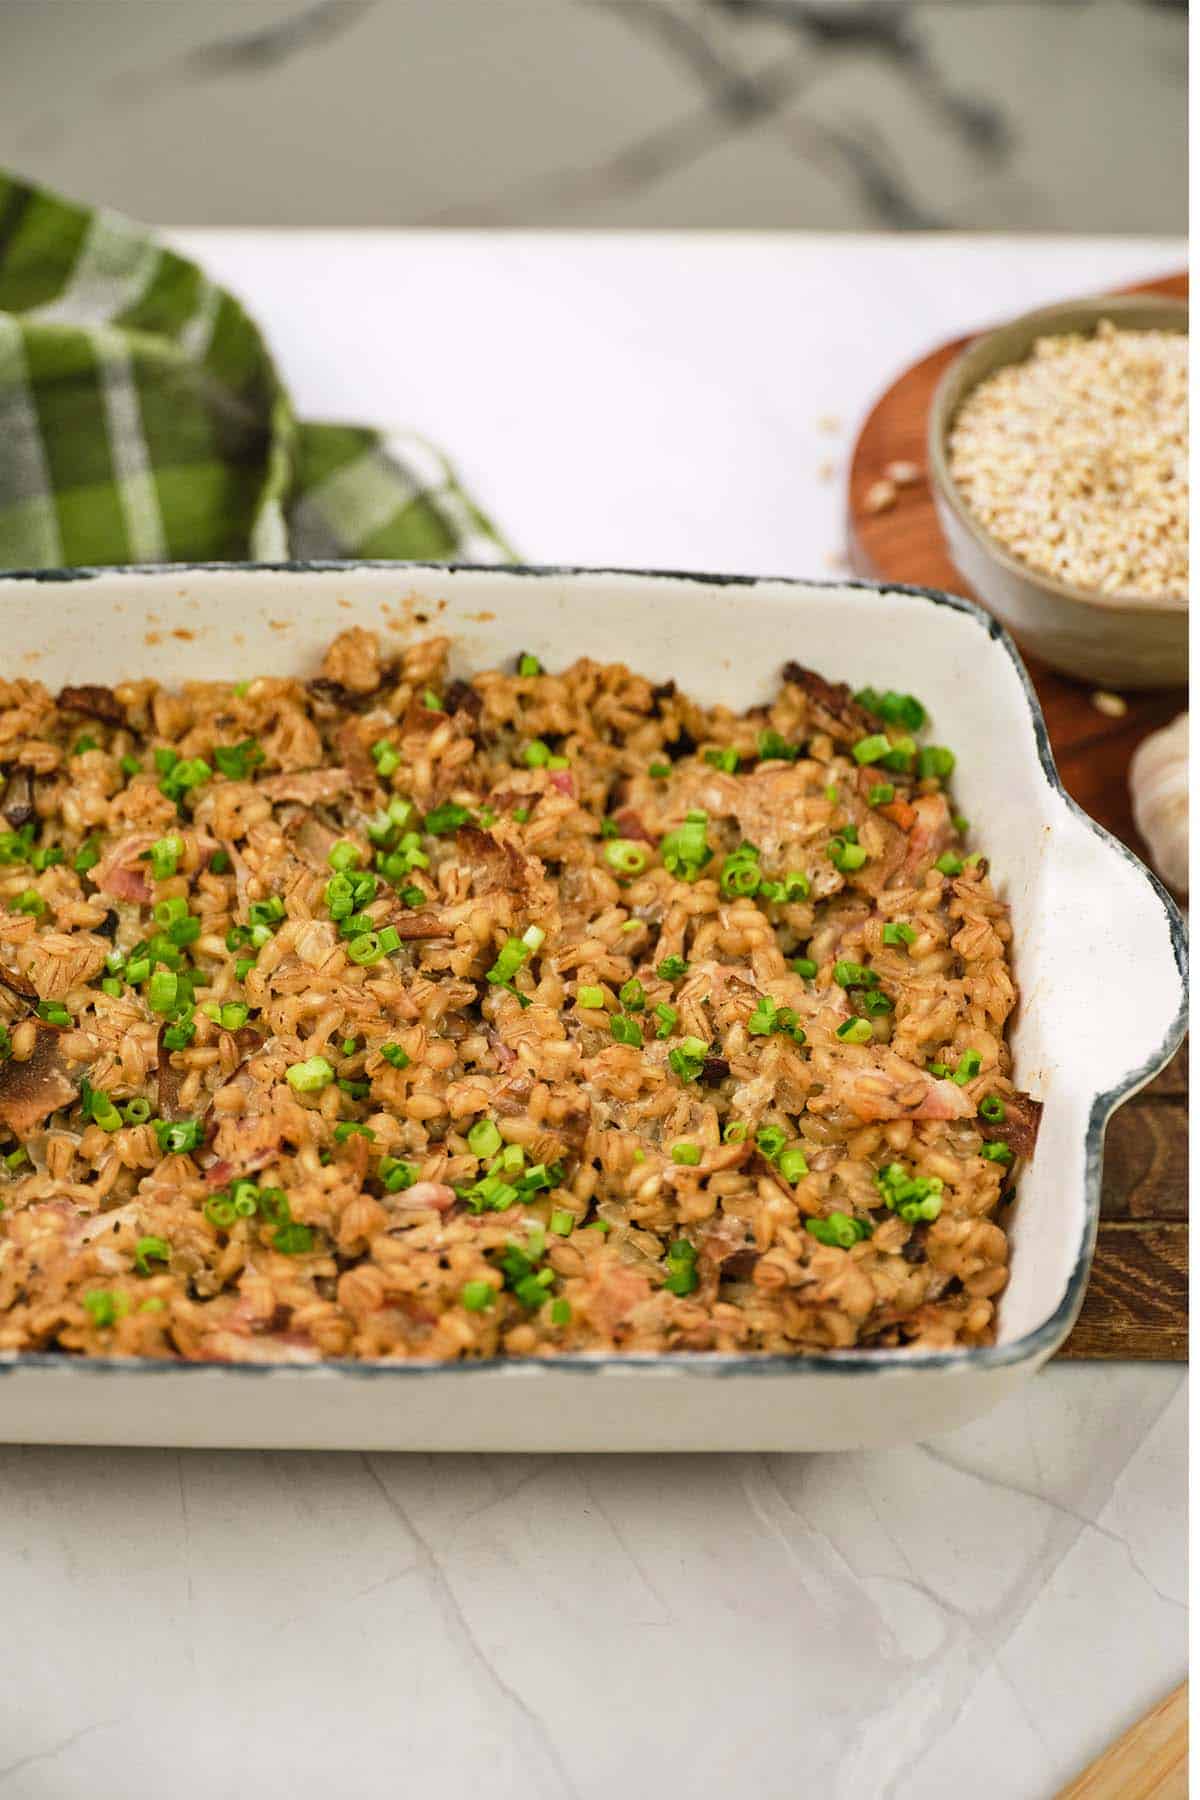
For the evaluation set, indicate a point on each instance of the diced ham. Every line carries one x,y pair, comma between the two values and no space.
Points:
425,1196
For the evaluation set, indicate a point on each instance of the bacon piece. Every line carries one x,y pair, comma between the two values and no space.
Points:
1019,1126
17,802
832,699
629,823
417,925
17,984
31,1090
944,1100
461,697
94,702
310,787
425,1196
497,865
896,1089
122,874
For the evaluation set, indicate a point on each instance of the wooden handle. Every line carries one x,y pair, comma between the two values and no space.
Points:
1148,1763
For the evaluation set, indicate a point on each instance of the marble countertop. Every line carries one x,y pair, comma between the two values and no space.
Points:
986,1610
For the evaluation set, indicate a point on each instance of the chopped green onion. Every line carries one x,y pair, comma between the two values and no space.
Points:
901,756
592,997
176,1137
292,1240
521,815
562,1223
87,856
137,1110
681,1267
969,1065
773,748
626,856
560,1312
993,1109
839,1231
311,1076
685,851
365,948
54,1013
625,1031
913,1197
112,986
792,1165
343,857
659,771
961,825
632,995
477,1295
949,864
150,1249
896,709
348,1128
687,1154
105,1308
687,1059
528,664
484,1138
997,1152
734,1132
896,931
870,749
740,873
855,1031
875,1003
430,700
179,777
448,818
237,760
882,794
30,901
396,1175
394,1054
130,766
762,1021
671,968
386,757
852,974
726,759
179,1035
668,1019
536,755
935,759
770,1140
163,991
845,856
804,965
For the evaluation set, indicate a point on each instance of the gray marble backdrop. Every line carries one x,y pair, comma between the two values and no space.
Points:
1056,115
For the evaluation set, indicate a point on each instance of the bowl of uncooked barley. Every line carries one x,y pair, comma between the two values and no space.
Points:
1058,461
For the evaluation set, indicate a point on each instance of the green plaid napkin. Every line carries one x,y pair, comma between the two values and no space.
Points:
142,420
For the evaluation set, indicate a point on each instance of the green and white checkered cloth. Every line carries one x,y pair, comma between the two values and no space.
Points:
142,420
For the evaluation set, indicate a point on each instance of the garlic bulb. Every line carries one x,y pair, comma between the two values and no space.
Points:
1158,783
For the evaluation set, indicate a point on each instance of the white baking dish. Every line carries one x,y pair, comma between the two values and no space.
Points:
1100,959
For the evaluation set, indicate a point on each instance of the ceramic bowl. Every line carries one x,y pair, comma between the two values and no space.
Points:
1080,903
1104,638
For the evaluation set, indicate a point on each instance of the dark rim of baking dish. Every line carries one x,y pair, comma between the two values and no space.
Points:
1043,1339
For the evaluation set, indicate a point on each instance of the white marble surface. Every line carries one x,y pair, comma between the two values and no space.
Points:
982,1612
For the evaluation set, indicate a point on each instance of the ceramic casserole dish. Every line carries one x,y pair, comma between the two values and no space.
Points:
1098,950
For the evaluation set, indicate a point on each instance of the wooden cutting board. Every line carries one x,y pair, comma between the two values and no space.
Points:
1136,1304
1148,1762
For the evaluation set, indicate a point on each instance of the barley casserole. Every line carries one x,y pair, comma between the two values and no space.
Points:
386,1015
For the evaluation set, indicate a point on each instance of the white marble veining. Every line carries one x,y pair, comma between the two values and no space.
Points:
981,1613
